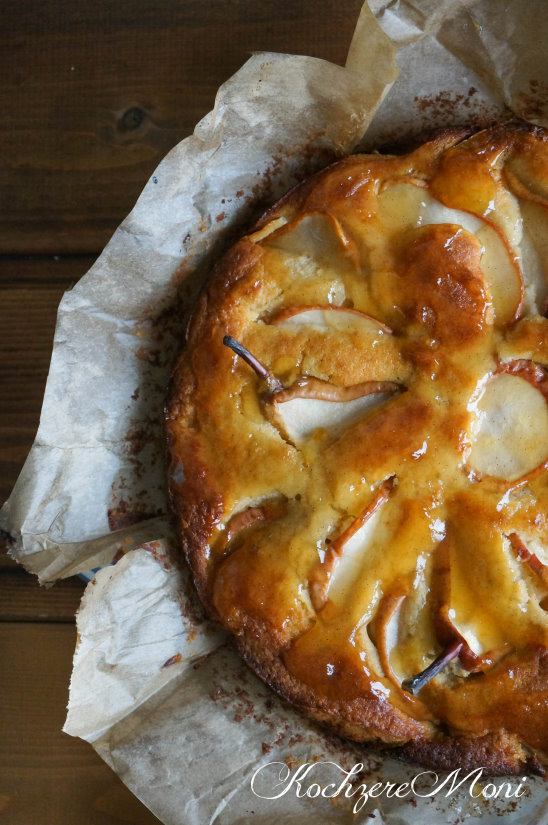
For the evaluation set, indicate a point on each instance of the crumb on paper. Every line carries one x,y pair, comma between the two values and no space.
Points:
173,660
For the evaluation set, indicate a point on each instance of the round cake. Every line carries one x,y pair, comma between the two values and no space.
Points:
358,445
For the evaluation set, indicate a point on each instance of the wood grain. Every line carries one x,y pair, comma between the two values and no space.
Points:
23,599
97,92
47,777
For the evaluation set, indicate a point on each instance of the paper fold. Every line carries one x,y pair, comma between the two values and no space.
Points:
99,448
158,690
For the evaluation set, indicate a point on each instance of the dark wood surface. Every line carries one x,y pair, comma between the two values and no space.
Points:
93,94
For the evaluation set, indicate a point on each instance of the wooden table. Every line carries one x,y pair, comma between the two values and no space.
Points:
93,94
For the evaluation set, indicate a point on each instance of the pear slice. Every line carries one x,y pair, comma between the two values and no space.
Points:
452,629
530,559
311,405
500,267
407,205
382,629
527,176
266,511
314,247
317,235
446,631
510,431
534,254
528,180
267,229
327,317
383,632
322,573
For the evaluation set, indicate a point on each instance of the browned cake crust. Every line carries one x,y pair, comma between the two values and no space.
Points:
363,504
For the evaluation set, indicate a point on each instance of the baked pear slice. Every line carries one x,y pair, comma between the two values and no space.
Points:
361,480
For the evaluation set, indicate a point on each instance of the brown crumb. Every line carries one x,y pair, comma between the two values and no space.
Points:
173,660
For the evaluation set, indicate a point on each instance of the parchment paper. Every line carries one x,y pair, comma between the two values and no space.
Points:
156,688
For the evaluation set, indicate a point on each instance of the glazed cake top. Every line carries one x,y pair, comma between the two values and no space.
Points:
379,498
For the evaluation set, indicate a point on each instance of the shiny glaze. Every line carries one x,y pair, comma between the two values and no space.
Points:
435,564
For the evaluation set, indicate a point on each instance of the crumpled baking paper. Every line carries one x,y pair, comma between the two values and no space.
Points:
93,483
168,703
157,689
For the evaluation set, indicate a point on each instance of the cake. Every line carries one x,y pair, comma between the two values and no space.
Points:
358,448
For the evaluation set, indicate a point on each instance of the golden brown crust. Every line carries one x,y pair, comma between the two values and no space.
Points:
498,753
348,716
394,299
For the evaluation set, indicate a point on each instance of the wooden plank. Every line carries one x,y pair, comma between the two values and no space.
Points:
23,599
61,271
47,777
90,109
6,561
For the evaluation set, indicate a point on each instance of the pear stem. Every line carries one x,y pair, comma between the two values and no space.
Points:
274,384
416,683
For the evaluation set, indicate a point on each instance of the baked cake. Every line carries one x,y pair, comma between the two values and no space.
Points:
358,441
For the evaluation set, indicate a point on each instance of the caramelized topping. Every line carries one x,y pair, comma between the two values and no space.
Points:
442,287
388,306
320,576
